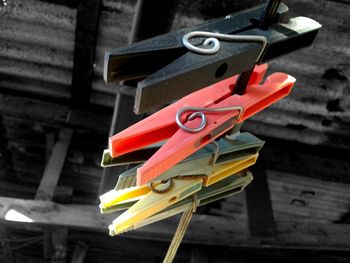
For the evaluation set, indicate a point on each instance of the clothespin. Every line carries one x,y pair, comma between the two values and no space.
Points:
176,64
202,168
229,186
217,173
152,200
242,151
179,174
223,112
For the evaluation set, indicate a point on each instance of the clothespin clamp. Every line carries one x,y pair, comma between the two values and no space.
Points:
169,66
164,124
232,154
146,206
218,102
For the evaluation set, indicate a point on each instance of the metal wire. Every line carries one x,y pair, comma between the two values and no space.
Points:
199,112
168,182
213,41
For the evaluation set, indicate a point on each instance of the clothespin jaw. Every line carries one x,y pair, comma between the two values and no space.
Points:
204,160
225,188
153,203
162,124
182,144
137,156
225,170
168,70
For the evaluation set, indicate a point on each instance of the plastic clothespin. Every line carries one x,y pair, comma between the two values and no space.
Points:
146,202
151,202
167,70
245,145
217,173
162,125
229,186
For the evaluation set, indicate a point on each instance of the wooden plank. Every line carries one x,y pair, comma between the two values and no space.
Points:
6,247
80,252
150,13
88,17
54,114
19,258
47,246
55,239
307,199
59,245
69,3
219,231
54,166
260,214
5,154
313,162
5,244
198,255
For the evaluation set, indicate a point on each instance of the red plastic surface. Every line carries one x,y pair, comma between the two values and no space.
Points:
162,125
182,144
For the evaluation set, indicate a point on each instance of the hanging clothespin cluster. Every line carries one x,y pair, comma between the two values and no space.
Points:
191,152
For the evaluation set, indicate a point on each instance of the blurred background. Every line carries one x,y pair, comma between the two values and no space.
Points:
56,115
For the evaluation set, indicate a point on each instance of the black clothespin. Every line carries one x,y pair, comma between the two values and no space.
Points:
167,70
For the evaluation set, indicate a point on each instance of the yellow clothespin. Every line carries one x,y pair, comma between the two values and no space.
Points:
115,200
223,171
152,202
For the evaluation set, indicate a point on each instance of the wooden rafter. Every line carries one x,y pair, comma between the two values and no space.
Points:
55,114
54,166
260,214
88,17
54,239
5,154
219,231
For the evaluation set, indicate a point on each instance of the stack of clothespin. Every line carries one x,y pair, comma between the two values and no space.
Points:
191,152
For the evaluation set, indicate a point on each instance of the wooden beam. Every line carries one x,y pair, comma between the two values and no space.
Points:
203,230
25,259
54,166
198,255
55,239
59,245
6,247
152,17
69,3
80,252
5,244
54,114
87,22
5,155
260,214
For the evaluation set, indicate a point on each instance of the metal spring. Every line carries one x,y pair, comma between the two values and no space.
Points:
199,112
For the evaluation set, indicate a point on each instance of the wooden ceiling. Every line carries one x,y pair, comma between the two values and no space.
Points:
53,102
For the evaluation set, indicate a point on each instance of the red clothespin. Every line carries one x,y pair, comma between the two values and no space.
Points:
227,109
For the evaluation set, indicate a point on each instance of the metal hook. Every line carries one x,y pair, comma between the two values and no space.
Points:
213,39
160,191
199,112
